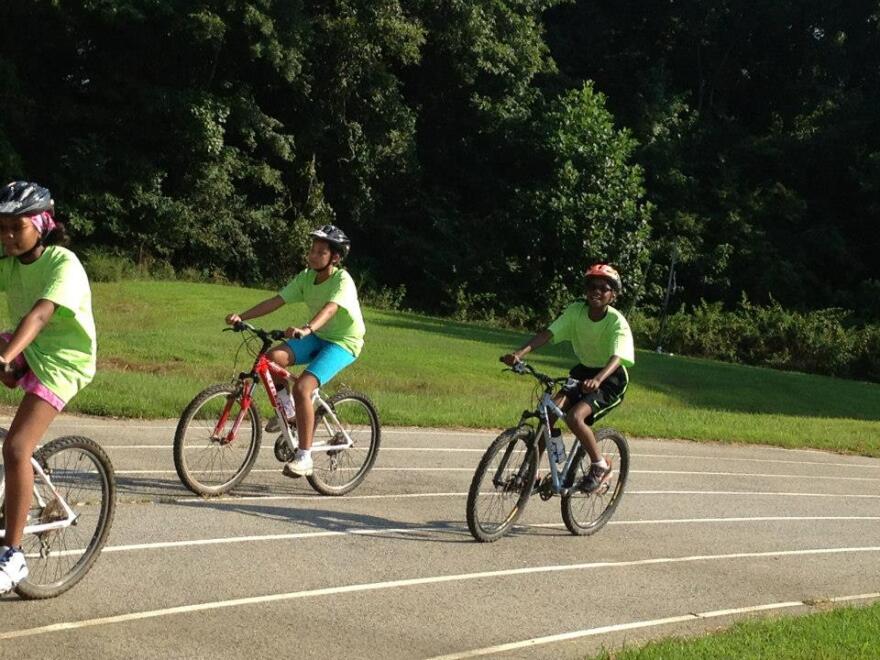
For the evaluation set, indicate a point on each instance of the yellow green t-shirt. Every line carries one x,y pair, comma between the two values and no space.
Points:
63,354
594,342
346,327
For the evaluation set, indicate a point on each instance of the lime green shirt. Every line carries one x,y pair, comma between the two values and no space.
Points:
346,327
595,342
63,355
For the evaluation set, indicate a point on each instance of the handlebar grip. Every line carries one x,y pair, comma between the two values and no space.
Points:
277,335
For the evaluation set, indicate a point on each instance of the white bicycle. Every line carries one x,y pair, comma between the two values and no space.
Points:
70,514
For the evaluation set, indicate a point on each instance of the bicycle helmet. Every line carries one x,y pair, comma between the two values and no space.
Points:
24,198
607,273
335,237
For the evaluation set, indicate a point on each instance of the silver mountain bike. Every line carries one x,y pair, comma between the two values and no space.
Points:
505,478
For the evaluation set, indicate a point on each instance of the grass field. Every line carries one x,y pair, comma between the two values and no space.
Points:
847,633
161,342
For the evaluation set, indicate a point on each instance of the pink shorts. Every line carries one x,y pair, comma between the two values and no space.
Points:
29,381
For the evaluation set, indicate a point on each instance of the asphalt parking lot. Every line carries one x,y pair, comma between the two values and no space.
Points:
705,534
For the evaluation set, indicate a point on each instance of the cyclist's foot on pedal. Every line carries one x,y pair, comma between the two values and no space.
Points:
300,466
273,426
13,568
599,474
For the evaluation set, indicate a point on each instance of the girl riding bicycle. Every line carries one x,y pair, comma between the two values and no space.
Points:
328,343
603,343
50,354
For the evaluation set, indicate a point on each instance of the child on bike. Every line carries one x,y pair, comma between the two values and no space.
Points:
328,343
603,343
51,352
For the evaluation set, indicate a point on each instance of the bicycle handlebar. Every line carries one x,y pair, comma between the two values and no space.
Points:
521,368
265,335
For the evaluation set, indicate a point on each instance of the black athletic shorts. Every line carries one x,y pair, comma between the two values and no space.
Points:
602,401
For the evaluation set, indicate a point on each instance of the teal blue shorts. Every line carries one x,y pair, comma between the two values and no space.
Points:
325,359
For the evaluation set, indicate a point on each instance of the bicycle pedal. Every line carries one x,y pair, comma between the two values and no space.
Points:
545,489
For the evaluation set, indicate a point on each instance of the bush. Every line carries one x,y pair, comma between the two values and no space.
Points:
107,266
822,342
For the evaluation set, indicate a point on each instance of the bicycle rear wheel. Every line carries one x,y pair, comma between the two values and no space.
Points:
586,513
207,460
339,472
502,484
83,476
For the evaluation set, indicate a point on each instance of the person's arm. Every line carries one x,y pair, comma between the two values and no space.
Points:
592,384
318,321
535,342
260,309
30,326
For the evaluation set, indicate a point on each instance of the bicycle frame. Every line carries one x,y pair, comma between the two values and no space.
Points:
546,406
263,370
39,474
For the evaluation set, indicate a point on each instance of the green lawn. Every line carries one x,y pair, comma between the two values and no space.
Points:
161,342
847,633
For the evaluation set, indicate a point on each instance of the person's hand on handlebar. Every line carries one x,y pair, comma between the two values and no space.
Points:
510,359
232,319
298,333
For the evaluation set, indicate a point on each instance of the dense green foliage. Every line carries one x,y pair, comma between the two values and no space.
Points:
479,153
822,342
760,138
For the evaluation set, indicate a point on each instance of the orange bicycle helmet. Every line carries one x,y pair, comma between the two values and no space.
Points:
606,272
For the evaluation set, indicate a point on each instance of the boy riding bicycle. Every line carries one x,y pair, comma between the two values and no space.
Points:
603,343
328,343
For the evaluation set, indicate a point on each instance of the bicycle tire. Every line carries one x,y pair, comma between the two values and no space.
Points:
58,559
197,451
509,483
586,513
340,472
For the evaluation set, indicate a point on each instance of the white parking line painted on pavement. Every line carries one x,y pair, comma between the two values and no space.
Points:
412,582
749,492
459,450
239,498
470,470
875,466
376,531
620,627
755,474
252,498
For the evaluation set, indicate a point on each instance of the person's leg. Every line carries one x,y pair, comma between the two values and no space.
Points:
305,385
284,355
29,425
576,418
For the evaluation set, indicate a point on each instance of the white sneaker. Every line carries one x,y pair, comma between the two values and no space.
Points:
13,568
301,465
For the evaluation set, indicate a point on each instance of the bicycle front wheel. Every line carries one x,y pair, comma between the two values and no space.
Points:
502,484
209,458
83,478
586,513
339,472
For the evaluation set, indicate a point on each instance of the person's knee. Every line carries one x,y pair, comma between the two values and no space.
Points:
14,453
577,416
305,385
280,356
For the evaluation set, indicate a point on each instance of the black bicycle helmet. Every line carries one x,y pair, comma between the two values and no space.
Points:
24,198
335,236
